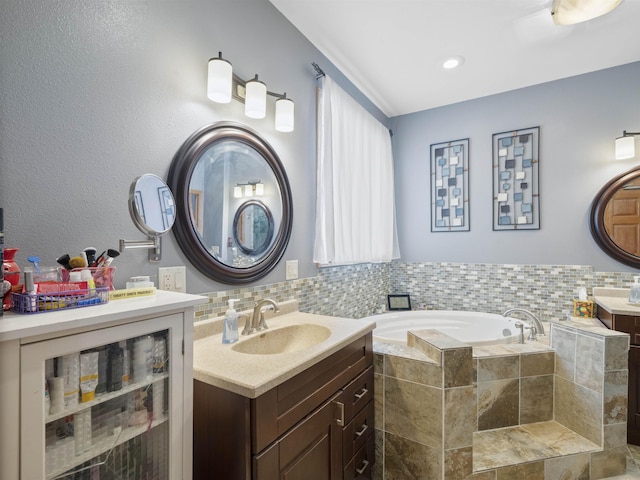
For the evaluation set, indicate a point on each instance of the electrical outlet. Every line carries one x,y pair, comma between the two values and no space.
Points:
292,269
173,279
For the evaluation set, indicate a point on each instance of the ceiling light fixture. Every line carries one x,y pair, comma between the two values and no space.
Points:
223,84
626,145
570,12
453,62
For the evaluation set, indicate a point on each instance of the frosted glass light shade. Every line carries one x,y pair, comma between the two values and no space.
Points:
259,188
570,12
255,101
625,147
237,191
219,79
284,114
248,190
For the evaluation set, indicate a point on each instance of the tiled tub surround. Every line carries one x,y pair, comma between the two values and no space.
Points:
447,411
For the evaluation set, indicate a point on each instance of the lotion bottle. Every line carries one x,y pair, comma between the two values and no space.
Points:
230,328
634,291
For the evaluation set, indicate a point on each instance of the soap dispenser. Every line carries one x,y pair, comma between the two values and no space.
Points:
634,291
230,328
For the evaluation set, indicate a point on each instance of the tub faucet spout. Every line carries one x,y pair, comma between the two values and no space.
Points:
536,325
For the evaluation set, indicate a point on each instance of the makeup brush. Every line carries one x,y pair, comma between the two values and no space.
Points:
64,261
77,262
108,257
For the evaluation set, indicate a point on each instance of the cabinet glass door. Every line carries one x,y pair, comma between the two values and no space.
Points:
101,407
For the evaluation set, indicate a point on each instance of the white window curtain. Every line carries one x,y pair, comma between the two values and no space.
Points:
355,207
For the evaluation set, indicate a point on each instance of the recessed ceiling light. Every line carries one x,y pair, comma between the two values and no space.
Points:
453,62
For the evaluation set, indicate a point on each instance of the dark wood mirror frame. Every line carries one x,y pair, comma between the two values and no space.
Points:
186,232
597,218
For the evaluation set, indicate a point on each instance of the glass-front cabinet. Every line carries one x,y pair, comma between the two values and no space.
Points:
104,404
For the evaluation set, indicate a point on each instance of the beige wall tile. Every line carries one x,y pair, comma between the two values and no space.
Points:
458,367
459,416
615,396
579,409
408,460
575,467
377,471
616,353
488,475
536,399
378,398
458,463
414,370
615,436
498,368
608,463
498,404
527,471
542,363
413,411
589,368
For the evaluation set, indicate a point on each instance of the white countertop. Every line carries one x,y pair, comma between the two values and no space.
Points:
251,375
615,301
20,326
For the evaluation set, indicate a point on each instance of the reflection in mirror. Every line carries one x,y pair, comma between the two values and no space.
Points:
151,205
252,229
234,208
615,218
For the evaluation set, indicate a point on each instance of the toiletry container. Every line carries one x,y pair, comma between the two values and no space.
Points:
230,329
634,291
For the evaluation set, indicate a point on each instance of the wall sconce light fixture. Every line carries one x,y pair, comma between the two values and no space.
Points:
626,145
223,84
248,189
570,12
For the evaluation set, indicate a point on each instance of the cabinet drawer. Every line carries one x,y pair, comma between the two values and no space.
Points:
276,411
360,467
357,394
357,432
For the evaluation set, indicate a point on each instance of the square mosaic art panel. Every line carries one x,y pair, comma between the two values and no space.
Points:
450,186
516,200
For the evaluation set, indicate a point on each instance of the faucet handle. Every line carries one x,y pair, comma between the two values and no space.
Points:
248,329
262,325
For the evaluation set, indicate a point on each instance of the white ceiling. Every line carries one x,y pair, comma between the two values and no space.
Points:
392,50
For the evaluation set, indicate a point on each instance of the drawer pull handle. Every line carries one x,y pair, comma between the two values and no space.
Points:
362,393
361,470
340,419
363,429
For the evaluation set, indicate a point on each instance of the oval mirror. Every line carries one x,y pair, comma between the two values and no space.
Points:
151,205
253,227
234,207
615,218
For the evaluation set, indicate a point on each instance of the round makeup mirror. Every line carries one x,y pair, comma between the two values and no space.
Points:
151,205
615,218
234,208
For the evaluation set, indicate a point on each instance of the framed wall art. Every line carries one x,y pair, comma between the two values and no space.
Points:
516,200
450,186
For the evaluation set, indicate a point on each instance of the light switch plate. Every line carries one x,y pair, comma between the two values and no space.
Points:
173,279
292,269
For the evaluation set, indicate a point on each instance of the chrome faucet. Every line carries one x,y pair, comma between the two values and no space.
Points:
535,324
257,322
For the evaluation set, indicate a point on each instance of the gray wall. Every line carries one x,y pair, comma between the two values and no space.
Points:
93,94
579,119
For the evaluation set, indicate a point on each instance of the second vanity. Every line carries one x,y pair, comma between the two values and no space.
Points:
293,401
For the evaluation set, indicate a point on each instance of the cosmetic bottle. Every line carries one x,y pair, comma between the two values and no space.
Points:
230,329
115,367
634,291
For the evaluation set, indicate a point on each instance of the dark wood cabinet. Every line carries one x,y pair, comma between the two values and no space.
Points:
629,324
316,425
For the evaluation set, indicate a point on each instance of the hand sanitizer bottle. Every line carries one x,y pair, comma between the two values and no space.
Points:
230,329
634,291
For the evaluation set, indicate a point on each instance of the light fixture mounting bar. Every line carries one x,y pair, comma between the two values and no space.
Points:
238,90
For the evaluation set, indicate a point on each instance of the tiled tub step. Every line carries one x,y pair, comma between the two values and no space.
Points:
529,444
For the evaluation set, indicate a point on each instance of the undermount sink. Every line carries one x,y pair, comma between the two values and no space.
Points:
287,339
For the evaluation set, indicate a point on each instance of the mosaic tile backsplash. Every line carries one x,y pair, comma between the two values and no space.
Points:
356,291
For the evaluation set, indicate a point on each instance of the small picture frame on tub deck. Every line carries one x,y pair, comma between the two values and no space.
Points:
398,302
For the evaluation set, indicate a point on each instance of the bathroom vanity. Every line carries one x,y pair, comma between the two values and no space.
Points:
617,313
300,411
144,423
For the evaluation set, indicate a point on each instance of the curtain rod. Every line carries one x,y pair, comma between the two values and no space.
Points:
319,72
